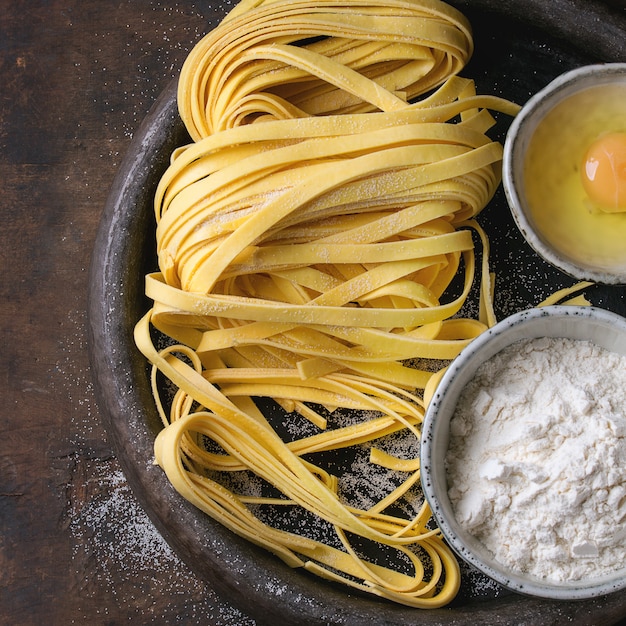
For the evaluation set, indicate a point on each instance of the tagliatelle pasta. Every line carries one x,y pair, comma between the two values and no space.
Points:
315,245
356,57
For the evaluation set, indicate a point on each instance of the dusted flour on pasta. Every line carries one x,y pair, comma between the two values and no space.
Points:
537,458
316,235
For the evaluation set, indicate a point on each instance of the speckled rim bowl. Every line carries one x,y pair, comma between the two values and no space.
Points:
604,328
516,145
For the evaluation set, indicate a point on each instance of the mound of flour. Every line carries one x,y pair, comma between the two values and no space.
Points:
537,458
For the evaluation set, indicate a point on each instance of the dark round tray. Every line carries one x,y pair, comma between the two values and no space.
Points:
520,46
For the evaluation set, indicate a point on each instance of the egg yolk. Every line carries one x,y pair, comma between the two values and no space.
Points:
604,172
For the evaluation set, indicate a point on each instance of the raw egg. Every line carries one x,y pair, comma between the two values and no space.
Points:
604,172
575,177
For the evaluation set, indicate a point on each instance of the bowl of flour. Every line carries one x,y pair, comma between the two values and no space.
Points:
524,452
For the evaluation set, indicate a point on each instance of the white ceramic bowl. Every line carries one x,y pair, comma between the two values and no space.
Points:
604,328
516,146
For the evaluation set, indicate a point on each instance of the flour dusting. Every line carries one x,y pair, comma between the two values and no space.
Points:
114,543
115,537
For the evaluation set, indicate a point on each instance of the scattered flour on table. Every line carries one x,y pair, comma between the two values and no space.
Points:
114,543
537,458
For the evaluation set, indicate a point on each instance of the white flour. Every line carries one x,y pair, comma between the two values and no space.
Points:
537,458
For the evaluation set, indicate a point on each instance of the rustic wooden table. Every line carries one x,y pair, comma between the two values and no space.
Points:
76,79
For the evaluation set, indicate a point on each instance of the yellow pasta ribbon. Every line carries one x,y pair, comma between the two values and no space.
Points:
315,244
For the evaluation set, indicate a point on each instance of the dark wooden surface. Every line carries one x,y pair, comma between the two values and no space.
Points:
76,79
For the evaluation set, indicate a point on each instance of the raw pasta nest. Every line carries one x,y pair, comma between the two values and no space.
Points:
307,239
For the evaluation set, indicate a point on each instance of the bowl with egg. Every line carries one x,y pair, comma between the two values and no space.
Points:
524,449
564,172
